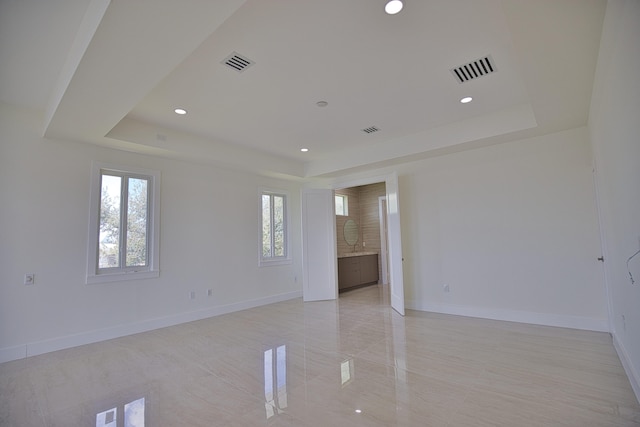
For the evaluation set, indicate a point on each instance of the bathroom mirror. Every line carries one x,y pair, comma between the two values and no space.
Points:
351,232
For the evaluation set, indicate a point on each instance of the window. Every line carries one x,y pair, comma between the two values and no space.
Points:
123,240
342,205
274,242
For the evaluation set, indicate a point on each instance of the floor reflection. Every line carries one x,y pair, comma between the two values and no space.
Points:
346,371
107,418
275,380
133,415
293,364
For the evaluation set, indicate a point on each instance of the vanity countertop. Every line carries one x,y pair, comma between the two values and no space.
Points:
352,254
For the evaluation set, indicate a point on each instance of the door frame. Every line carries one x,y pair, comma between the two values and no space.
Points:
394,233
384,259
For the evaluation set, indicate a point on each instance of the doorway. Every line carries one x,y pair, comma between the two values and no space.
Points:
319,241
361,240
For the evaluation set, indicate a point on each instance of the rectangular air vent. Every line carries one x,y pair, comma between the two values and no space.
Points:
370,129
474,69
237,62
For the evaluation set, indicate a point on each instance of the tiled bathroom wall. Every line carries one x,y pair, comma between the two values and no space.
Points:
353,195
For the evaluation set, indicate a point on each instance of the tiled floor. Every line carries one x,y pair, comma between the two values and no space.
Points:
348,363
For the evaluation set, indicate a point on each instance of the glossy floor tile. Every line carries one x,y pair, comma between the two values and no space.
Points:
352,362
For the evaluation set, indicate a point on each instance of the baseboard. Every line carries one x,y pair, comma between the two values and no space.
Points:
546,319
60,343
627,364
13,353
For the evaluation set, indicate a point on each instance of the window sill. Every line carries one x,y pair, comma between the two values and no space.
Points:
274,262
121,277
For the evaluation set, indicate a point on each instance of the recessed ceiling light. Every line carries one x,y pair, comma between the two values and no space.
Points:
304,150
322,103
180,111
358,411
393,6
466,99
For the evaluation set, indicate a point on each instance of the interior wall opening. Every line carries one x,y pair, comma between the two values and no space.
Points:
361,237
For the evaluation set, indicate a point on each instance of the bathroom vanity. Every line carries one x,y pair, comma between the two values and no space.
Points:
357,269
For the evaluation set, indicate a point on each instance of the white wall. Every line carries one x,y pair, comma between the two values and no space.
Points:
512,229
614,122
209,240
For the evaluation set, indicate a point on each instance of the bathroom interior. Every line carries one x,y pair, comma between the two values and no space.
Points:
361,236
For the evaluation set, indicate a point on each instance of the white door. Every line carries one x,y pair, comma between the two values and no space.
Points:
395,244
319,257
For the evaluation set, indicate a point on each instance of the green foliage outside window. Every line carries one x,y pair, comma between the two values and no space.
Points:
114,239
273,226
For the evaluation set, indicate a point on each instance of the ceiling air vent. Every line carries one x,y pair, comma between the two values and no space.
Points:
474,69
237,62
370,129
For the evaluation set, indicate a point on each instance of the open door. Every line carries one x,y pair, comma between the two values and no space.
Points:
395,244
319,257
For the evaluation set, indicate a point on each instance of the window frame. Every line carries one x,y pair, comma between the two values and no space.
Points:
123,273
345,204
279,260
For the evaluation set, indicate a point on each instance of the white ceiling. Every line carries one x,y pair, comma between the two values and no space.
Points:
111,73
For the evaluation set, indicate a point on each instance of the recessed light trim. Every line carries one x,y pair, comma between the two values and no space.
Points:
466,100
180,111
304,150
322,103
393,6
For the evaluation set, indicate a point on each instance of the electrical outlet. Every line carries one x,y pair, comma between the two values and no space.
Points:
445,288
192,295
209,292
29,279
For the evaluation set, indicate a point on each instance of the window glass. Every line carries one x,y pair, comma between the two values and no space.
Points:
278,226
341,205
109,252
123,221
137,221
266,226
274,229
